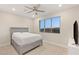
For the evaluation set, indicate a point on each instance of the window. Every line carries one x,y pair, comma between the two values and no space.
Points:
56,24
41,25
50,25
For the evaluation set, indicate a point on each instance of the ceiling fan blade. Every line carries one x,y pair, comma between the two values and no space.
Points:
40,11
30,11
28,7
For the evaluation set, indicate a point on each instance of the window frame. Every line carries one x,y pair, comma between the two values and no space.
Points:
51,25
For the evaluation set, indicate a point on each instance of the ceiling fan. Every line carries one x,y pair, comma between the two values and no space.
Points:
35,9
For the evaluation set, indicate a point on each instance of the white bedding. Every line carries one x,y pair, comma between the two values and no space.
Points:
22,38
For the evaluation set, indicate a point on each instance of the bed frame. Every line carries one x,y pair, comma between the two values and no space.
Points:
25,48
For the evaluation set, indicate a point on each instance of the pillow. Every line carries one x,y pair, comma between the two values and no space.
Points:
16,33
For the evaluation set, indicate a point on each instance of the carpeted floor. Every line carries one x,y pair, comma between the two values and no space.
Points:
46,49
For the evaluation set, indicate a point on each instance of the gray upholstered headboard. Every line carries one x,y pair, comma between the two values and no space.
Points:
18,29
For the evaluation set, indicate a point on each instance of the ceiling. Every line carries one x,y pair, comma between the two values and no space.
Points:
49,8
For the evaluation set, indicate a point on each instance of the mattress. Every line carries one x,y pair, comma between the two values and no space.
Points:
25,38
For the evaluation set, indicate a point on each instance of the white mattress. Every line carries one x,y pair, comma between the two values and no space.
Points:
25,38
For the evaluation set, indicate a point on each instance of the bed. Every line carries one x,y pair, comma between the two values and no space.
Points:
23,41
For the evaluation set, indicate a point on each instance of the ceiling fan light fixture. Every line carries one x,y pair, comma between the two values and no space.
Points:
35,9
33,15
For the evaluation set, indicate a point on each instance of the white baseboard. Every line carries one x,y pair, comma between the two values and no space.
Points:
54,43
6,44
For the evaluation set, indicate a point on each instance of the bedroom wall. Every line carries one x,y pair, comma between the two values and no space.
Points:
66,32
8,20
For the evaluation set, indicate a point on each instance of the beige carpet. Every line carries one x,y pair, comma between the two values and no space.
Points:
46,49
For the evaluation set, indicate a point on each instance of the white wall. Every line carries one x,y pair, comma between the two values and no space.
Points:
8,20
66,32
